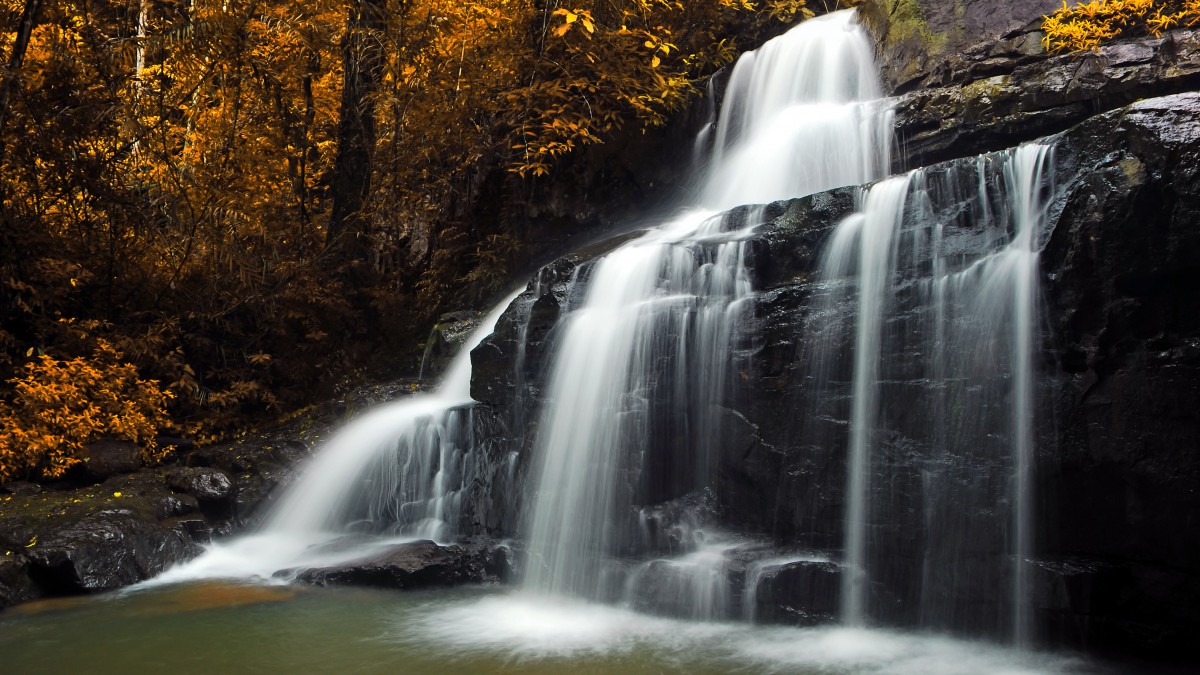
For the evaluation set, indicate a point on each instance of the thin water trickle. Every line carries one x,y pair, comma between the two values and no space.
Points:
937,276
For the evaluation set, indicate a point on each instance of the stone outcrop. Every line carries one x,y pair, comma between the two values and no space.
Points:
1040,96
95,538
1118,478
413,565
931,43
1123,487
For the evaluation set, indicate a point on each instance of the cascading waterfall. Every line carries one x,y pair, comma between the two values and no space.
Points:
644,361
922,352
399,470
937,274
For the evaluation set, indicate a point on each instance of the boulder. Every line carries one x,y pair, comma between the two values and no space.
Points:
107,458
15,585
803,593
100,537
444,340
418,564
1117,475
202,483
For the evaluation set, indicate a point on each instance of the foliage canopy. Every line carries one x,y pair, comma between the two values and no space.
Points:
168,171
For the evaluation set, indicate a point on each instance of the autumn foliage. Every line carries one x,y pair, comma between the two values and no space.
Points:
1088,25
255,201
58,407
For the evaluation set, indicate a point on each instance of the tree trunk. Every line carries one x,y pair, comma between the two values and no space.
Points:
363,63
9,83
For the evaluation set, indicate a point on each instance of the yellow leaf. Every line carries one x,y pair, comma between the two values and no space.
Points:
654,62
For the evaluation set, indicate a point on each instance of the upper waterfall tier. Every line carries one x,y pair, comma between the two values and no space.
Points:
645,359
801,114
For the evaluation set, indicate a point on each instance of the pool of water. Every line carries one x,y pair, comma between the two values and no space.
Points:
220,627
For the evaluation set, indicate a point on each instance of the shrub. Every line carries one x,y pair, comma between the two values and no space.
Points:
1087,25
58,407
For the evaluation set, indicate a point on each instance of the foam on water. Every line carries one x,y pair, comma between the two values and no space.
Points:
528,627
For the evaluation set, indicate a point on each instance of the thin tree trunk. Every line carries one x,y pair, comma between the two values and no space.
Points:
20,46
363,63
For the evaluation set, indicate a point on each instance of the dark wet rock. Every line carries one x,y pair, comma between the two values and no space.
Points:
20,487
502,562
211,489
15,585
928,43
418,564
97,538
171,505
104,550
204,484
256,467
510,369
444,340
1124,482
676,525
803,593
974,77
1118,478
108,458
1041,97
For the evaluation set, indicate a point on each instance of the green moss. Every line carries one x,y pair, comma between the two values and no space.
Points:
990,87
1134,170
906,21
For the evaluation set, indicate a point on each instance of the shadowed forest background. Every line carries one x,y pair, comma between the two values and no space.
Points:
214,212
225,209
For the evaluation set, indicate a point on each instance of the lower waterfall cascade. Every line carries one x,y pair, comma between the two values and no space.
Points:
921,366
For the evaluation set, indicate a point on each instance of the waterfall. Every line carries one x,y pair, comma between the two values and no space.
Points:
937,275
644,361
920,362
400,470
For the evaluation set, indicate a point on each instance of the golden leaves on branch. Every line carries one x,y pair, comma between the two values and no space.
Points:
626,62
580,17
1088,25
59,406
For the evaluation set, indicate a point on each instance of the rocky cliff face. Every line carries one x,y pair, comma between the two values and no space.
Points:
1117,476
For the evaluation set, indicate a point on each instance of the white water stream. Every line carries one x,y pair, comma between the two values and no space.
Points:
801,115
396,471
